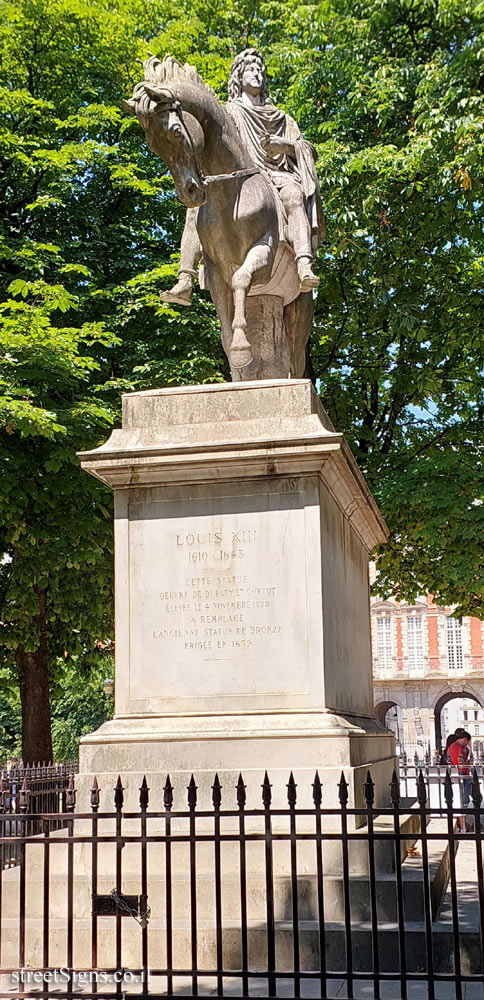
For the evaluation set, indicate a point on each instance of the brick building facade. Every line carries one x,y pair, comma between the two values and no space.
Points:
422,658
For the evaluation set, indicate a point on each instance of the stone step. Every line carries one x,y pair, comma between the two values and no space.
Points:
256,904
333,889
386,890
335,946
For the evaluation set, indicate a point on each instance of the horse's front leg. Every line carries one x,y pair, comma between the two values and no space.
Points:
259,256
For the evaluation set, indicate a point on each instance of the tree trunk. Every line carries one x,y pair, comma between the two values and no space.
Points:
33,675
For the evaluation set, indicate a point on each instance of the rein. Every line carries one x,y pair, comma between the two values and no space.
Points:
206,179
245,172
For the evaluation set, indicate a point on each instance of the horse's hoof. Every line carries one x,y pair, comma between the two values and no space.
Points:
240,357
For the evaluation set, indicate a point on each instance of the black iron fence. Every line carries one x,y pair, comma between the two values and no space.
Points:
36,789
434,776
315,899
423,755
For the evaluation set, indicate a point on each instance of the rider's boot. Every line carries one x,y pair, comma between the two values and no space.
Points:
307,278
181,293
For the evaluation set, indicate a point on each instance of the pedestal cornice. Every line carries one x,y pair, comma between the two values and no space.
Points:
197,434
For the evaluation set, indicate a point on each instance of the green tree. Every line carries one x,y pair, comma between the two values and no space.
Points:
89,225
79,704
391,92
56,574
394,98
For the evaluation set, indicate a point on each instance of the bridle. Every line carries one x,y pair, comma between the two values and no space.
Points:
173,105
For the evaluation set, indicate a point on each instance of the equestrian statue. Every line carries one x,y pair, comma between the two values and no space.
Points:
254,219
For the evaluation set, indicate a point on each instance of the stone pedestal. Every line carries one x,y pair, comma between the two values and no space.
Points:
242,533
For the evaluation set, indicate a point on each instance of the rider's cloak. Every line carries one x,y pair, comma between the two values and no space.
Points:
253,123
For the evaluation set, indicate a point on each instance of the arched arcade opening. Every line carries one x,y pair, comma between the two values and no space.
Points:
390,715
444,726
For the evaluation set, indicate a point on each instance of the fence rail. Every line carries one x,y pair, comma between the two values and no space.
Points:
231,897
434,776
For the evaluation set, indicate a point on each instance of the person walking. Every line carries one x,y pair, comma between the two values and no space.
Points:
459,752
445,755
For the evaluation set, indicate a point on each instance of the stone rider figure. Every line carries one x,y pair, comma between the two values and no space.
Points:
283,156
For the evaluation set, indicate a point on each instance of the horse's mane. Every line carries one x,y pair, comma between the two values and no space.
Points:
162,71
159,72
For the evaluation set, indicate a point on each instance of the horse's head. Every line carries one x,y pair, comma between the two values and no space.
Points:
174,135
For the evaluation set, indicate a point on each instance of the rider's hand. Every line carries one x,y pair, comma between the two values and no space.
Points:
274,144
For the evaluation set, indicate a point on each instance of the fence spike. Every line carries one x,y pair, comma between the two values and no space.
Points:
475,790
192,793
317,791
168,794
144,796
421,789
119,794
241,796
343,789
291,791
369,789
266,791
95,795
448,790
216,792
395,790
71,795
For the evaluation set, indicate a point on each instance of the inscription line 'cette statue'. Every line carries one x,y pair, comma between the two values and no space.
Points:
249,182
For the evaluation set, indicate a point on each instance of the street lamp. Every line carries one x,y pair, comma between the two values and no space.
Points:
108,686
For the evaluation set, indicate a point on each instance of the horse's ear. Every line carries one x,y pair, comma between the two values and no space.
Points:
152,93
129,106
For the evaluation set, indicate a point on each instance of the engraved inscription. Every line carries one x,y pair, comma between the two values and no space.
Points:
218,609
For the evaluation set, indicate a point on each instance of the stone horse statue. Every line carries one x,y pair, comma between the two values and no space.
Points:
249,267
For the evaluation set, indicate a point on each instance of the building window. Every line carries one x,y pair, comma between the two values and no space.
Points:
466,715
384,648
454,644
415,644
476,730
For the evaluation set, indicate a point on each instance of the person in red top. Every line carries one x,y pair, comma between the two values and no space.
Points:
459,751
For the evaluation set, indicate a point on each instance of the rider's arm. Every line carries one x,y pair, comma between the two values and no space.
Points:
278,144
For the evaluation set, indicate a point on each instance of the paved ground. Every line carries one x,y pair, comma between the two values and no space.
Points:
467,894
285,988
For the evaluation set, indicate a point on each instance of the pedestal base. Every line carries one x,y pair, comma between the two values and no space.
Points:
243,528
232,744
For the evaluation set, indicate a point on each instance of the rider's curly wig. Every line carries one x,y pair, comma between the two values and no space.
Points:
237,71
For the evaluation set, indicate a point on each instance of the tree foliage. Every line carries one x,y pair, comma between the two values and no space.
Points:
400,120
391,92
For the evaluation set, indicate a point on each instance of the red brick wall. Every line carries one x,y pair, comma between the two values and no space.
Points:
433,634
476,644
